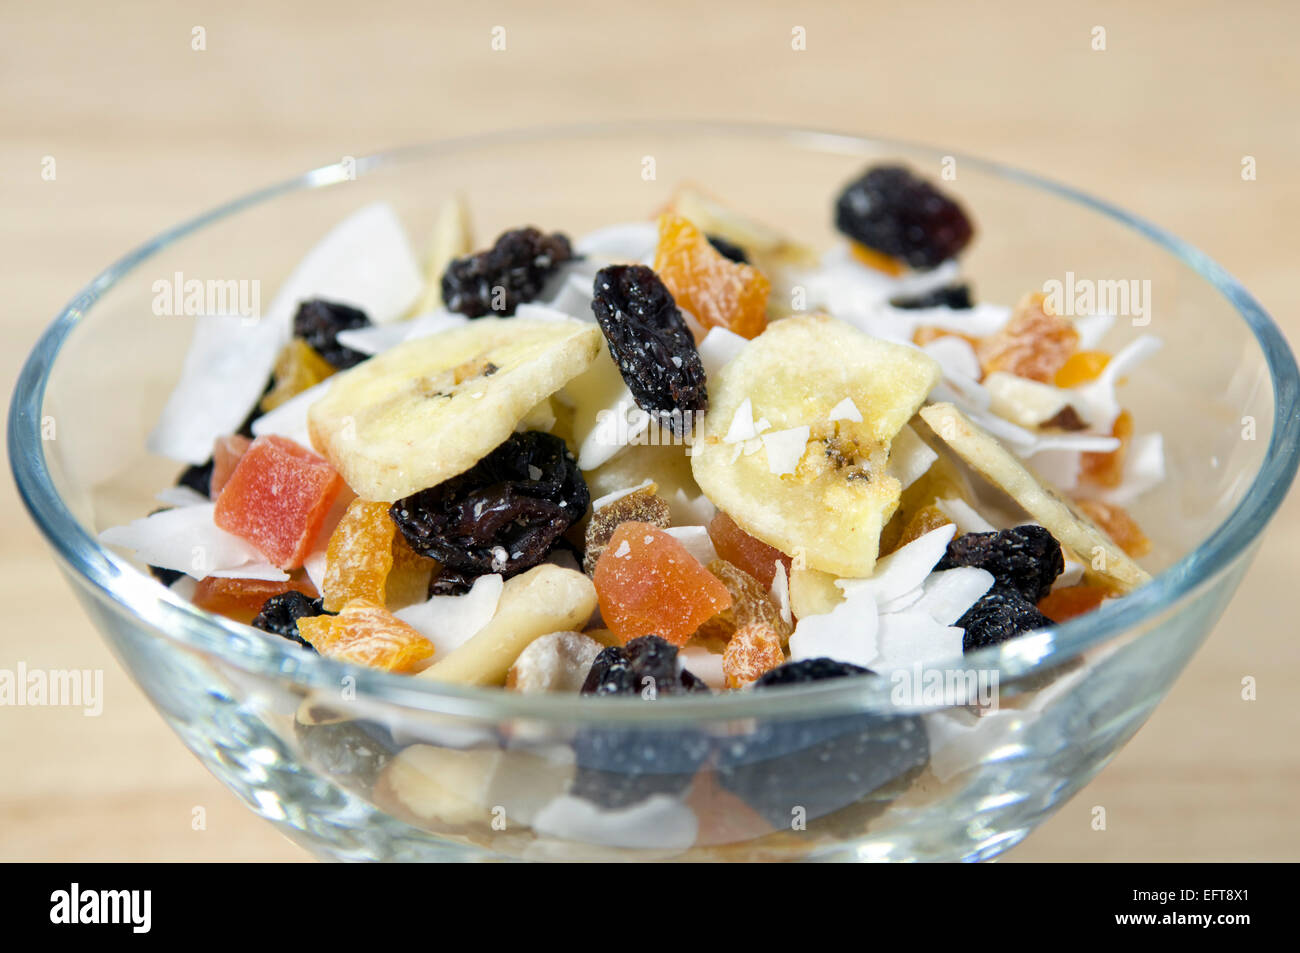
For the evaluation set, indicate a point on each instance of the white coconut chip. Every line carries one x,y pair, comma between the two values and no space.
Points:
541,312
660,821
603,501
686,509
785,448
847,633
781,592
1144,469
705,665
625,241
617,425
573,296
314,566
290,418
904,569
181,496
186,540
909,457
912,638
949,593
742,424
718,349
956,357
222,379
450,621
845,410
964,516
697,541
380,338
1096,401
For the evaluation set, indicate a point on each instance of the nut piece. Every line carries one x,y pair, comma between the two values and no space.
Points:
558,662
544,599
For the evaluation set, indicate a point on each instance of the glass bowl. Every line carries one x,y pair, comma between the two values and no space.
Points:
360,764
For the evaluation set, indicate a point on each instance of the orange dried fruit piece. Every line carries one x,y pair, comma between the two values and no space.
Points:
641,506
1065,603
1081,367
359,556
368,634
298,368
242,599
1034,343
408,580
278,498
924,520
751,602
926,333
744,551
753,650
877,260
226,454
647,583
717,291
1119,526
1107,469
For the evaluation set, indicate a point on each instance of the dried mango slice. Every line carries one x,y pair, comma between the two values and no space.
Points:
1107,469
1067,602
367,634
718,292
751,602
278,498
1119,525
1081,367
359,556
298,368
744,551
242,599
753,650
1034,343
648,584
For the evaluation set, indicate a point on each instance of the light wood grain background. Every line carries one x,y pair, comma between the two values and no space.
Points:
146,130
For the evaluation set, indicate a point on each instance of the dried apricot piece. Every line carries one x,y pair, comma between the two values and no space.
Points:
751,602
367,634
242,599
718,292
1107,469
226,454
359,556
877,260
1034,343
752,651
744,551
1081,367
1065,603
298,368
278,498
1119,526
647,583
643,505
408,580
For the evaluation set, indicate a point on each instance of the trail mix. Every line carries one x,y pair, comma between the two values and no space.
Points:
682,456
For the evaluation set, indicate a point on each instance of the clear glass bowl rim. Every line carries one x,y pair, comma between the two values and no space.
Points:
138,595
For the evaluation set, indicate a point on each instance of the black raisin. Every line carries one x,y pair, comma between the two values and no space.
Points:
999,615
451,582
618,767
280,614
503,514
348,751
956,296
796,767
651,344
1024,558
165,576
319,322
197,478
727,249
510,273
890,210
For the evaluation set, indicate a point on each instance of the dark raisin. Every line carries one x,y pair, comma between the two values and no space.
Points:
809,767
510,273
1024,558
503,514
890,210
198,478
1000,614
165,576
350,752
451,582
618,767
955,296
279,615
319,322
727,249
246,428
651,344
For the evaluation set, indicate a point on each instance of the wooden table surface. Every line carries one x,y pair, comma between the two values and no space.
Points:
146,130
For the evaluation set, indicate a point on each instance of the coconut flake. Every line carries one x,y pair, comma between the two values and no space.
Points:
956,358
845,410
689,509
904,569
742,424
1144,469
625,241
1096,401
909,457
914,638
290,418
785,448
450,621
696,540
964,516
623,550
949,593
705,665
181,496
847,633
781,592
608,498
186,540
719,348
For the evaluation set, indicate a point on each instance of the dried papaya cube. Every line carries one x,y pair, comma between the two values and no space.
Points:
242,599
226,454
1081,367
877,260
753,650
408,580
1065,603
751,602
1034,343
1119,526
744,551
641,506
359,556
298,368
278,498
1107,469
647,583
367,634
717,291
